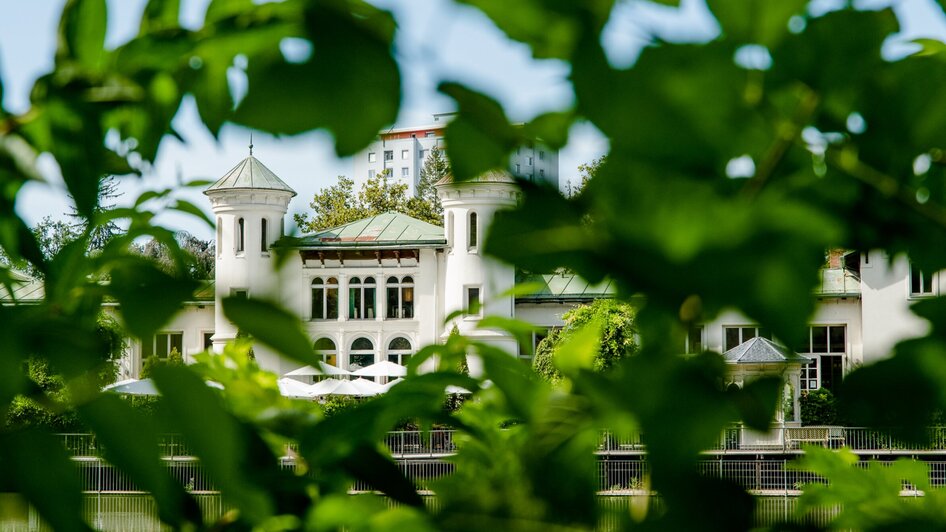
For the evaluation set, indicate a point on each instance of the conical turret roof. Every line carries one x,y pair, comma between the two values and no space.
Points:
250,174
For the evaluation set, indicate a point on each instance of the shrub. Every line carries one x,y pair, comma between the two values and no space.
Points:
818,407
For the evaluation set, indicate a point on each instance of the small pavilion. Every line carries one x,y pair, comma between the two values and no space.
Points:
759,357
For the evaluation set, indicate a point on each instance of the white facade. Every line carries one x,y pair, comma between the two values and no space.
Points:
400,154
370,296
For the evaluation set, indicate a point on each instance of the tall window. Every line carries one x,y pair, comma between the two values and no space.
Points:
921,282
162,344
326,351
737,335
694,341
208,339
241,234
389,155
399,350
361,354
400,297
262,235
361,298
450,229
826,346
473,301
473,230
325,299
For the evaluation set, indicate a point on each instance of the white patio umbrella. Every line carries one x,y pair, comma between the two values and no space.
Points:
390,384
340,387
325,369
133,387
367,387
293,388
385,368
143,387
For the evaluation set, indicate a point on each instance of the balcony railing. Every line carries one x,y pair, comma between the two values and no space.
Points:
733,440
839,282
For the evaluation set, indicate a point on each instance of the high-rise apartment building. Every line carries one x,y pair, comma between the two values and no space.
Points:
400,155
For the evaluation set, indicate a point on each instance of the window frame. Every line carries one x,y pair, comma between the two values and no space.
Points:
352,352
153,351
401,355
358,290
326,284
404,290
473,313
472,231
328,356
919,278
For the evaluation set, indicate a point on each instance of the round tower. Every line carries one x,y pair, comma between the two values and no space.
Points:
249,205
470,278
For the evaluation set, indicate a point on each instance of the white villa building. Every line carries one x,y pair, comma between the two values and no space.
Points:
380,288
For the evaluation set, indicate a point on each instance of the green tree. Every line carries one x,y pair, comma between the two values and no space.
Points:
831,138
200,255
338,205
618,336
435,168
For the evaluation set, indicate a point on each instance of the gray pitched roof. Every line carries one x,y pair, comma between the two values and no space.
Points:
760,350
250,174
388,229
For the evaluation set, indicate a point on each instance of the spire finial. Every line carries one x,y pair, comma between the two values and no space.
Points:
251,144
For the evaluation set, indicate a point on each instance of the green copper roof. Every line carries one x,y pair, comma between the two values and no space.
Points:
250,174
760,350
384,230
562,286
33,291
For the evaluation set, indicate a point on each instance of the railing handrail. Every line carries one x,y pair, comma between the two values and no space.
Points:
735,438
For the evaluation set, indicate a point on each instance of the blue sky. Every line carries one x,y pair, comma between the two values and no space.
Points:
437,40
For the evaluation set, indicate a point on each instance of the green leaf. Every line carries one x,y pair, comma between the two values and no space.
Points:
756,21
148,296
37,466
189,208
82,32
271,325
211,90
132,446
160,15
550,129
221,9
351,82
480,138
381,473
578,352
214,436
757,402
550,34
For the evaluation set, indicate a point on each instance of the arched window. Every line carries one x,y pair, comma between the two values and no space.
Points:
361,298
400,297
473,230
450,229
361,354
219,242
399,350
262,235
324,299
325,349
241,234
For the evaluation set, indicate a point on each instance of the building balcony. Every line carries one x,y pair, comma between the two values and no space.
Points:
839,282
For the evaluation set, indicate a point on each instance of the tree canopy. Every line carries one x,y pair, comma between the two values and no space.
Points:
733,164
338,204
612,322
